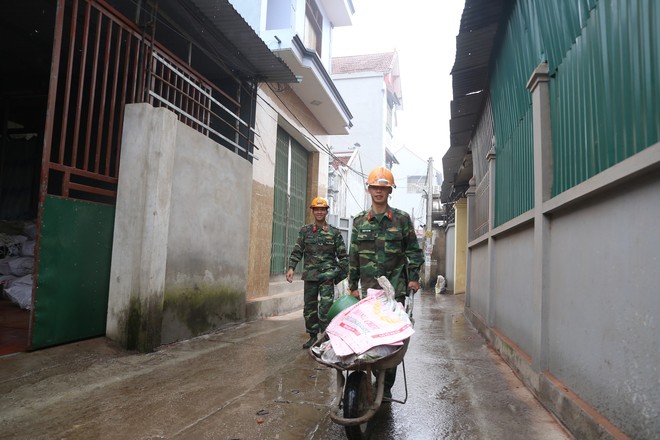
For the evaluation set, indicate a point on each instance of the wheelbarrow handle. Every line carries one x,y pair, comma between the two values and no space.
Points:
411,302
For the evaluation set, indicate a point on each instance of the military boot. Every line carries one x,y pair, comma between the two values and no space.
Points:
312,339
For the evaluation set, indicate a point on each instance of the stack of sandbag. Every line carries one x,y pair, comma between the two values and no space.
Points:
371,329
17,241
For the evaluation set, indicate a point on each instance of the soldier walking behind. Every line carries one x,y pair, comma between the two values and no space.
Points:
326,263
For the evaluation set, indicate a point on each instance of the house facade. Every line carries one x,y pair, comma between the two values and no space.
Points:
553,173
294,122
135,134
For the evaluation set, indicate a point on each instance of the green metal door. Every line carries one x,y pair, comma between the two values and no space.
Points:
79,173
290,199
73,271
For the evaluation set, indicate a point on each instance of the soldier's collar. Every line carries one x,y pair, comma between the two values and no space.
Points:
372,214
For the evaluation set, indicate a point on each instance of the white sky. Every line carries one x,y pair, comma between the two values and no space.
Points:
423,32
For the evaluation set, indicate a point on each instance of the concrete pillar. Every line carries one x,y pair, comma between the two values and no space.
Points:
470,194
460,253
450,254
492,260
139,251
538,85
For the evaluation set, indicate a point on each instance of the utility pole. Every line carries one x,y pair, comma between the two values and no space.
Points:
428,245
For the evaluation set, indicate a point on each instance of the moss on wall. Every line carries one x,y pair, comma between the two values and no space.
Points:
141,325
202,308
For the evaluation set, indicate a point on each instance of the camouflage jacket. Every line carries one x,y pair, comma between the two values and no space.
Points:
324,251
386,245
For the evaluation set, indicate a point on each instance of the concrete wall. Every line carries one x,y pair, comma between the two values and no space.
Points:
568,294
479,291
593,333
139,251
179,261
511,309
605,302
207,254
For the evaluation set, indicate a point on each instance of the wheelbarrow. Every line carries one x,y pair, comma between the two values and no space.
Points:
358,399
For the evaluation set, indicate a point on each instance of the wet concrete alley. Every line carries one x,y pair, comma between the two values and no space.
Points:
253,381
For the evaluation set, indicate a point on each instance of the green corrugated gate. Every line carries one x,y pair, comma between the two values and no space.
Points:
74,271
78,182
290,199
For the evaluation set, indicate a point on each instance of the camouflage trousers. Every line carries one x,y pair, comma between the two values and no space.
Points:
315,310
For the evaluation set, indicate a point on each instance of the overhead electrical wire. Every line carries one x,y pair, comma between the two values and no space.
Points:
311,137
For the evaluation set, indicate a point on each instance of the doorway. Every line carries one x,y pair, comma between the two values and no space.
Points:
26,34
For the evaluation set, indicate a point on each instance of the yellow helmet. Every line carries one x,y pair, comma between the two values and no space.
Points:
381,176
319,202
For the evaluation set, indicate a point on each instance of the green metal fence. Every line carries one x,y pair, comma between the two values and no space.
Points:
605,98
512,118
605,91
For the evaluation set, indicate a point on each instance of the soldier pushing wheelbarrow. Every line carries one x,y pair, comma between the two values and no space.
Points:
370,337
384,243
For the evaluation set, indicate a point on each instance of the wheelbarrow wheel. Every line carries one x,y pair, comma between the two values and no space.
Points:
356,403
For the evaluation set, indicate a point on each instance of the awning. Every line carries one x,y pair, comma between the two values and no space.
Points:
218,27
470,77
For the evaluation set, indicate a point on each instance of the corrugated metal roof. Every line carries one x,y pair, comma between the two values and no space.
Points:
470,75
230,37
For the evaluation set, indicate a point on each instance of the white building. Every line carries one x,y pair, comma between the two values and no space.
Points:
371,86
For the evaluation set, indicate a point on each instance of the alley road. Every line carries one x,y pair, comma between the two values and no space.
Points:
253,381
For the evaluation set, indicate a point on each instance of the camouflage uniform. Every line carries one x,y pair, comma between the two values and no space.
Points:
384,244
326,262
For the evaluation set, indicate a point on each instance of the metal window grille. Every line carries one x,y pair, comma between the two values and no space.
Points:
103,61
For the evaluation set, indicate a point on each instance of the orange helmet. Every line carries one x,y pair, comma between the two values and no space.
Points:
319,202
381,176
